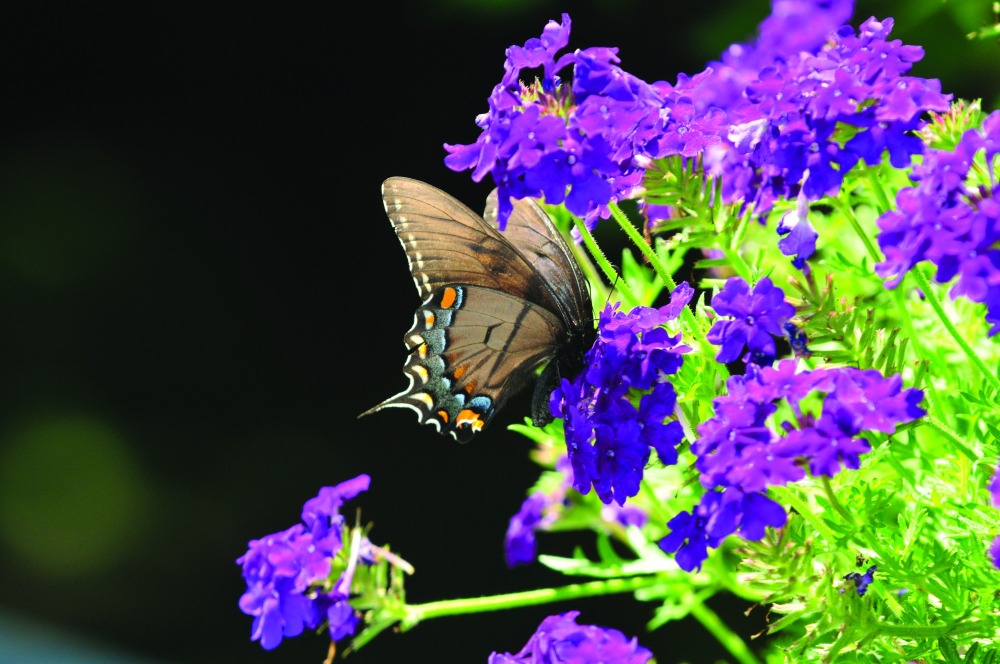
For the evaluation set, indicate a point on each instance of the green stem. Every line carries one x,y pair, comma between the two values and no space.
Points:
828,488
722,572
640,242
927,631
852,219
605,265
599,293
932,299
661,271
654,504
911,331
951,435
883,199
727,637
785,495
876,256
414,613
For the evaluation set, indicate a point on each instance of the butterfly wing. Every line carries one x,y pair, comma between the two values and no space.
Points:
471,348
447,243
497,306
532,232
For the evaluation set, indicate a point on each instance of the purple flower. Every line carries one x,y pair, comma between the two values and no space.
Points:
862,581
799,237
793,27
609,438
954,225
519,544
797,340
718,515
830,444
626,515
689,537
287,573
758,317
994,488
560,640
739,447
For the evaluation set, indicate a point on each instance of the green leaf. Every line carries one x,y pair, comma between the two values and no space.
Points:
949,651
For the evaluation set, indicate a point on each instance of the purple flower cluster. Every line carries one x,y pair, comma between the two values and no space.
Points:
950,223
542,509
759,315
288,573
570,143
789,114
608,438
782,134
740,454
560,640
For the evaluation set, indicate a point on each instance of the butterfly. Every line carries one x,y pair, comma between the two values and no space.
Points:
496,306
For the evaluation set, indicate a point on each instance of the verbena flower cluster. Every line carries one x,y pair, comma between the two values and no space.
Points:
608,437
569,143
773,425
560,640
945,220
813,105
289,574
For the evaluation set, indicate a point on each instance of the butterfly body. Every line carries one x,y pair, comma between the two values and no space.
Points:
497,306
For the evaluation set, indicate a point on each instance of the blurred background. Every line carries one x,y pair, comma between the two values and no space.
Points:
200,291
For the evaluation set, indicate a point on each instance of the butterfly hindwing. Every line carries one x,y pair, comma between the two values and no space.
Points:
470,349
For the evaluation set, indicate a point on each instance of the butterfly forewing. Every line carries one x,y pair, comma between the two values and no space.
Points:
532,232
447,243
470,349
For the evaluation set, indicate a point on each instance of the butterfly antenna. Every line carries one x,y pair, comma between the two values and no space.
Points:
618,276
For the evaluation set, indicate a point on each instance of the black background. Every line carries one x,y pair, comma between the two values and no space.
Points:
200,292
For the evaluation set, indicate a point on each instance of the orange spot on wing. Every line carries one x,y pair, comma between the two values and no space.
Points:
448,297
471,387
429,319
422,351
459,371
443,414
469,418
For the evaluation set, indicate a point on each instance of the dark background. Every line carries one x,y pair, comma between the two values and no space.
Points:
199,291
